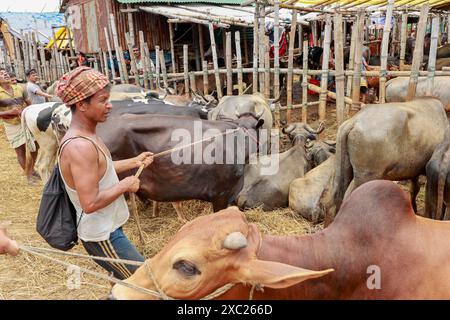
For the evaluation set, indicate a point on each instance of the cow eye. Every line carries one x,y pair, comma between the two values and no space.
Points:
186,268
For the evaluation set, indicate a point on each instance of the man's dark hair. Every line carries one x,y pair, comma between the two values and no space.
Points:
30,71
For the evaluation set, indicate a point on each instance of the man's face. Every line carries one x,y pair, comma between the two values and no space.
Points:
33,77
14,80
136,52
4,77
99,106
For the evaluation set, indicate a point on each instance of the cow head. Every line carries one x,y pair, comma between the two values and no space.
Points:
250,120
61,118
300,132
319,151
209,253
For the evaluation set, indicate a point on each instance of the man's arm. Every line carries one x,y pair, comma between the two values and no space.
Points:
43,94
145,158
7,245
10,114
85,173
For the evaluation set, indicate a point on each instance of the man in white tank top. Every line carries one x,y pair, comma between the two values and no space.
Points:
90,175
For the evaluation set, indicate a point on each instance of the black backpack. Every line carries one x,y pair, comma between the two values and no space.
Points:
57,218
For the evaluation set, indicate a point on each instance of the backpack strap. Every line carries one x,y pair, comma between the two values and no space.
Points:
64,144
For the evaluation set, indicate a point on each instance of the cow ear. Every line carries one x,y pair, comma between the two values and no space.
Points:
277,275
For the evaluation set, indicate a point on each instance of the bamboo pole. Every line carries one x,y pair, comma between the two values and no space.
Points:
339,65
144,60
111,61
192,82
351,58
255,48
148,65
172,49
418,52
229,65
300,38
291,65
330,94
276,63
25,52
119,54
305,83
131,27
448,29
201,42
385,50
186,69
403,40
69,37
105,64
134,69
42,55
237,39
163,68
262,46
216,66
205,78
325,67
245,47
358,59
124,66
158,74
432,55
267,68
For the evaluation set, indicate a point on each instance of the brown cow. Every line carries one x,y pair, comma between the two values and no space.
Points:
377,246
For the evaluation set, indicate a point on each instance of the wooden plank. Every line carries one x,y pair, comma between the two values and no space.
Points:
267,68
432,56
162,61
149,66
192,82
403,39
385,50
158,74
305,83
186,69
111,61
325,67
144,59
290,76
205,78
172,49
229,65
131,27
119,55
339,66
216,66
351,63
262,47
418,52
237,39
358,59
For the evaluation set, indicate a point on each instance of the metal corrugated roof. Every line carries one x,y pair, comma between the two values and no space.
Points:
182,1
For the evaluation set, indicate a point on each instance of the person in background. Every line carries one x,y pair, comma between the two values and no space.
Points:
364,67
13,78
139,63
82,60
35,93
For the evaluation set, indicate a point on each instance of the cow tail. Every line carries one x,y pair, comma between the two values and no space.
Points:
344,171
30,145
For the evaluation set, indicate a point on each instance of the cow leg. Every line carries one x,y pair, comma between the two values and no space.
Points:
155,212
352,186
414,189
178,206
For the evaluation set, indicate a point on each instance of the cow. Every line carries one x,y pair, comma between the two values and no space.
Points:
222,256
311,196
169,180
397,89
271,189
437,195
391,141
443,62
319,151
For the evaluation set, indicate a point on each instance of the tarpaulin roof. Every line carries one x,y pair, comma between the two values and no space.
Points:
27,22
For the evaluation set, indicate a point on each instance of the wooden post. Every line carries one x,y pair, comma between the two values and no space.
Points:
205,78
229,65
255,48
111,61
105,64
201,42
448,29
300,38
403,40
60,71
432,56
262,46
134,69
148,65
195,47
325,67
119,53
359,28
69,37
385,50
418,52
245,47
186,69
172,49
162,61
305,83
158,74
339,66
42,55
131,26
237,39
276,63
291,65
192,81
351,61
267,68
143,59
216,66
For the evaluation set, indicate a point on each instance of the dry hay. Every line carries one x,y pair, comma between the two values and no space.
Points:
30,277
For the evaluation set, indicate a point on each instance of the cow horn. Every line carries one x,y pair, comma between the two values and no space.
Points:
318,131
330,143
289,129
235,241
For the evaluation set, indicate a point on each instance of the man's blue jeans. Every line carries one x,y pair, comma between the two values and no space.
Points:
117,247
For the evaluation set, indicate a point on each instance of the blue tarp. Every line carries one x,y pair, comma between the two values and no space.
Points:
28,21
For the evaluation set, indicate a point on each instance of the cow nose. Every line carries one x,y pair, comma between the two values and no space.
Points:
111,296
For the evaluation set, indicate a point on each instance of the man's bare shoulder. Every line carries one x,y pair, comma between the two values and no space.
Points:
79,150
